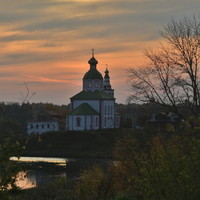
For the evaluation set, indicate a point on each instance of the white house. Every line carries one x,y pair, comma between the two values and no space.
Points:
94,107
42,127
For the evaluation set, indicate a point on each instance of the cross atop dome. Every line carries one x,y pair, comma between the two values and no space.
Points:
93,53
93,62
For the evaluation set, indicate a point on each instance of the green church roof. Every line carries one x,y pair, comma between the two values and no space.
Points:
92,95
93,74
84,109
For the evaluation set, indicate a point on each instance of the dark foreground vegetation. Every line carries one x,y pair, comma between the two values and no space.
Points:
163,166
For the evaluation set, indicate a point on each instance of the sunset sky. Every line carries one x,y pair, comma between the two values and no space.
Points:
47,43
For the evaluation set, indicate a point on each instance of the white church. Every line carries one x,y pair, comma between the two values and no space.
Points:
94,107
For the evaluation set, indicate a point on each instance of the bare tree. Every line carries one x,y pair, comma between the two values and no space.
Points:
172,76
27,97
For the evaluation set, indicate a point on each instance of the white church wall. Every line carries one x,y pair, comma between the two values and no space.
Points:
91,122
82,122
69,124
80,126
108,114
75,122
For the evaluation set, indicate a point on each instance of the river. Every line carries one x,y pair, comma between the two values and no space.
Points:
43,170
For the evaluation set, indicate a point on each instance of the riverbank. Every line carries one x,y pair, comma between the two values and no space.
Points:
76,144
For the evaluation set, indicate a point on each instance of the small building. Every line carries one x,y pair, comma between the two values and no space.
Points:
160,119
40,127
94,107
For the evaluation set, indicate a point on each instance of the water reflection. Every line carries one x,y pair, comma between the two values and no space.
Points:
43,170
39,170
25,182
59,161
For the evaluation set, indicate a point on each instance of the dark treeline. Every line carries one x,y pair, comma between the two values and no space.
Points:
131,115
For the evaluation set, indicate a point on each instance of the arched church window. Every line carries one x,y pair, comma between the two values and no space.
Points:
108,110
78,121
111,110
89,85
96,84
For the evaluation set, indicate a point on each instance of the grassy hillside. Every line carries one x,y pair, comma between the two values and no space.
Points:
94,144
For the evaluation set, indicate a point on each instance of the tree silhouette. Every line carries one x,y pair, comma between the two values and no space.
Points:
172,76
